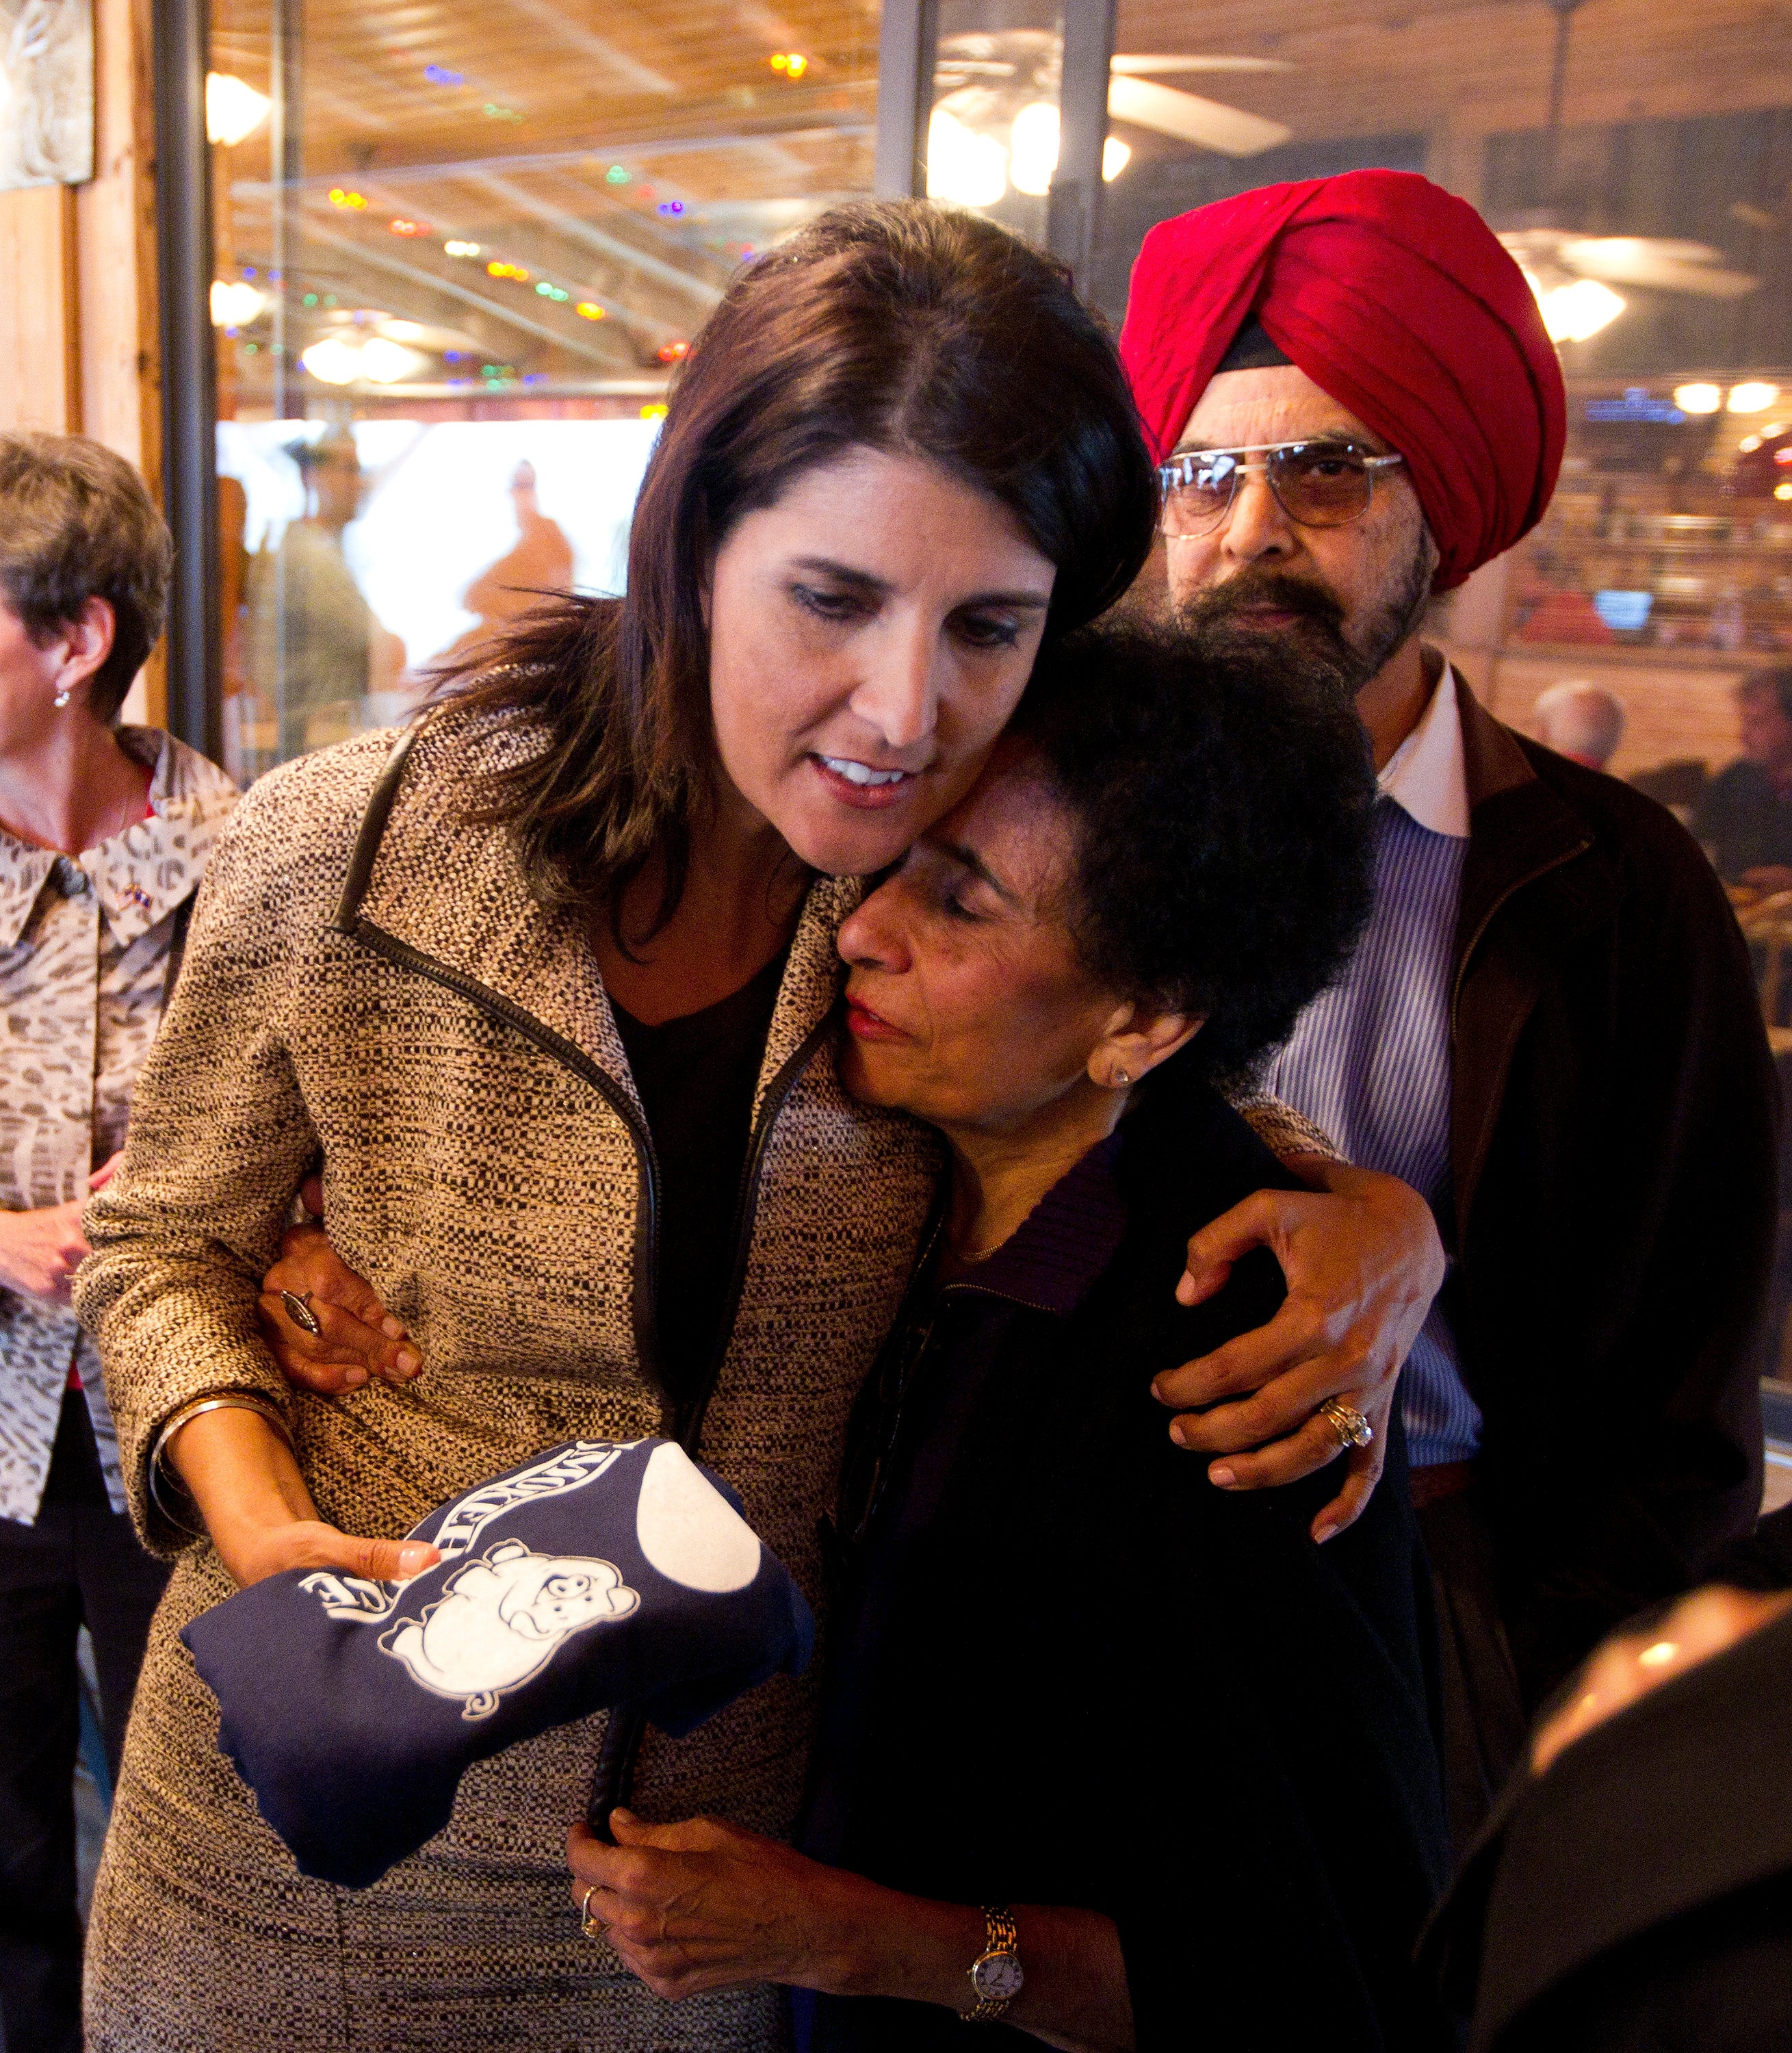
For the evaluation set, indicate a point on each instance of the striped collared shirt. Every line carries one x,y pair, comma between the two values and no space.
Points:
1369,1060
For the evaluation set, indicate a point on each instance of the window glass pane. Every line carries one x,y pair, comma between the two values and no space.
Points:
992,135
459,251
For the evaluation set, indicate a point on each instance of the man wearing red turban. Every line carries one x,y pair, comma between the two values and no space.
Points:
1550,1028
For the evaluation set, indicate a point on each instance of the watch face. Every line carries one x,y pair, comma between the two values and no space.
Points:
999,1977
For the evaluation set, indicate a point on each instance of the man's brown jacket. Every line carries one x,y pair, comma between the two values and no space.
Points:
1614,1165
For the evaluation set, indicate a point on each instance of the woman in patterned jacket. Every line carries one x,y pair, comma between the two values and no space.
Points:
104,834
548,989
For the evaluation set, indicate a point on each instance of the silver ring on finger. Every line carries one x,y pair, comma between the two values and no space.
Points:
593,1928
1352,1426
297,1305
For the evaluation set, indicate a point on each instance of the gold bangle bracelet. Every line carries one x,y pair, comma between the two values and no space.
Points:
161,1477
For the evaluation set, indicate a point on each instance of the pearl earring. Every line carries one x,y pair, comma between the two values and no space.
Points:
1121,1079
63,695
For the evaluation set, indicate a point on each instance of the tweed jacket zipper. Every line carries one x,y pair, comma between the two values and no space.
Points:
683,1418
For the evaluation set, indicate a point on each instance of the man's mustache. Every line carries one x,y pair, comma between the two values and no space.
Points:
1222,605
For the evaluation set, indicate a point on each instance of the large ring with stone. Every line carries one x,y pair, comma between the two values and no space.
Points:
1351,1426
297,1305
593,1928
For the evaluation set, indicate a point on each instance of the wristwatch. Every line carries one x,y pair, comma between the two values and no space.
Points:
996,1978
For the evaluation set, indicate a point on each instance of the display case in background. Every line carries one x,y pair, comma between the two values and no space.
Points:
1662,571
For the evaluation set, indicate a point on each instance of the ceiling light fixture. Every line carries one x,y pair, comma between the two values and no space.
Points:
233,304
1032,148
233,109
385,363
332,361
1578,313
963,167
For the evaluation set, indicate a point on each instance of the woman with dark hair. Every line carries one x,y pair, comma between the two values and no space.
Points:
548,990
1164,860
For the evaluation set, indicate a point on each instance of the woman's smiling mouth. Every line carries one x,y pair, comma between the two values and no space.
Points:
858,784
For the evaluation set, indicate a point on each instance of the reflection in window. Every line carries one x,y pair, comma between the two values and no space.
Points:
457,260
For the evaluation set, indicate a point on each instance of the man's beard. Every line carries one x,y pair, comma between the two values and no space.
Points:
1220,619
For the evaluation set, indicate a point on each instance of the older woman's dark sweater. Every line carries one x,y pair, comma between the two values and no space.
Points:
1066,1669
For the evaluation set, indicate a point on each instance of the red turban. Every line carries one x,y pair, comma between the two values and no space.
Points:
1396,298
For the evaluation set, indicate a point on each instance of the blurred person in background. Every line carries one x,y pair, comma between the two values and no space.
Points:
315,649
1583,722
1551,1027
104,834
540,566
1744,814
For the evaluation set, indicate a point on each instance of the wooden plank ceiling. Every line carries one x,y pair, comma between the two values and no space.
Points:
627,156
624,158
1362,69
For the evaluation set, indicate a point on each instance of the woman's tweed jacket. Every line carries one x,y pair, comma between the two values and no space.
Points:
453,1059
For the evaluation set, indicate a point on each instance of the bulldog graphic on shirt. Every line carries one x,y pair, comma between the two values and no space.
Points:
502,1618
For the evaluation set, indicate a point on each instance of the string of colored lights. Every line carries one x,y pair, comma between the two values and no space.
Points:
791,65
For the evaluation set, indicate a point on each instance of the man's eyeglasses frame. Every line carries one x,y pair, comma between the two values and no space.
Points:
1178,472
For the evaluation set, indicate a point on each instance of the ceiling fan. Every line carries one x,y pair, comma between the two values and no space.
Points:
986,83
1572,271
1133,95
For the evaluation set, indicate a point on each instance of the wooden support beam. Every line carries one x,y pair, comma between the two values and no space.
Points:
118,338
115,216
78,348
40,364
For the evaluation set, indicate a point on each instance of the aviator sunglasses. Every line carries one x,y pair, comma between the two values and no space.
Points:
1317,484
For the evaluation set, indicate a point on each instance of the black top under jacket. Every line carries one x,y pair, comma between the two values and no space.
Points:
1638,1899
696,1075
1066,1669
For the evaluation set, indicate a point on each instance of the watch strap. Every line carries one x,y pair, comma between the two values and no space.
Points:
1001,1935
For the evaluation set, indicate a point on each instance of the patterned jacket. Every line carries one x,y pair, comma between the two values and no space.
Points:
445,1047
85,950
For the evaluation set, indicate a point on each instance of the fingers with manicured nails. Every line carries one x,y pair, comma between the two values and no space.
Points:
389,1560
309,1264
1248,1361
356,1337
1219,1244
328,1379
1311,1446
253,1556
107,1170
1282,1405
1364,1465
341,1339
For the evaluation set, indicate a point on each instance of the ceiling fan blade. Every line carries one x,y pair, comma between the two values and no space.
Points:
1655,263
1137,67
1190,118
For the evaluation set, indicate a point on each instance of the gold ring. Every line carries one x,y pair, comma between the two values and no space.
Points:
1352,1426
593,1928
